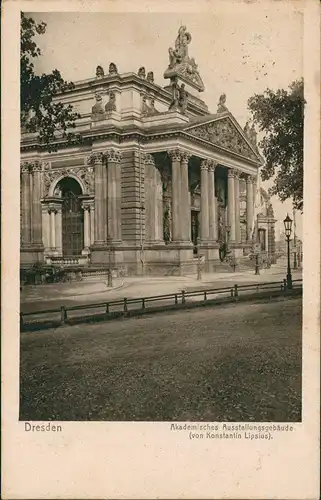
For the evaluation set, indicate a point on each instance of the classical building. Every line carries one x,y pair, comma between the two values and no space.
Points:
154,174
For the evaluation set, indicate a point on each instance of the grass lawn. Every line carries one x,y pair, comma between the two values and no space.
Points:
240,362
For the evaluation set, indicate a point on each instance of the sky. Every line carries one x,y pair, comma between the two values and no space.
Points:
237,53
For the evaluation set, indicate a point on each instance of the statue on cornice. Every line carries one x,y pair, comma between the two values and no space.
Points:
111,104
253,135
221,107
182,98
150,77
142,72
100,72
175,94
180,64
247,128
112,69
97,109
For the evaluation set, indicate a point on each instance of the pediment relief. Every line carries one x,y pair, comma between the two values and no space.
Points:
224,133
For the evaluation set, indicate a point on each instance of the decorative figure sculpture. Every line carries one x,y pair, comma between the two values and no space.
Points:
97,109
100,72
183,98
175,94
148,110
57,192
179,61
221,107
150,77
142,72
253,135
247,129
111,104
112,69
145,107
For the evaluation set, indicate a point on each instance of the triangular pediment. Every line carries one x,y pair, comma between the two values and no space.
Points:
226,133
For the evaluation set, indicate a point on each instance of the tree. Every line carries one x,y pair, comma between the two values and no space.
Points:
41,111
279,115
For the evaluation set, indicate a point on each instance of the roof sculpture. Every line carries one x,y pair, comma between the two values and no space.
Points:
180,64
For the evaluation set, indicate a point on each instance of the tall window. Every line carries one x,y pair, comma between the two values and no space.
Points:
72,218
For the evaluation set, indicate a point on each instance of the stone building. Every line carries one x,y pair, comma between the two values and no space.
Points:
155,173
265,226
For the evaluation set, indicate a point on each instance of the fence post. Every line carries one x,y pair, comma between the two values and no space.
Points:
183,296
205,295
176,299
236,291
125,305
107,308
232,292
143,303
63,315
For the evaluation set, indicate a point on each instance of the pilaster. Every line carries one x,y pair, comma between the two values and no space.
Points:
237,207
213,232
113,215
96,159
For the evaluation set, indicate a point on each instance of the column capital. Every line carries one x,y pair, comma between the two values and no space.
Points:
30,166
175,154
250,179
25,167
86,206
237,174
231,173
36,166
212,164
185,157
113,155
148,159
52,210
95,158
205,164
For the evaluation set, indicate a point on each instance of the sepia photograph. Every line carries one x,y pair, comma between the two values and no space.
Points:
160,249
161,201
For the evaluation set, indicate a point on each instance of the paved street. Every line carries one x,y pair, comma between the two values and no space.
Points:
42,297
237,362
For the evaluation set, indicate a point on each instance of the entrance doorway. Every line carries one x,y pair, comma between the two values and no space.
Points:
72,217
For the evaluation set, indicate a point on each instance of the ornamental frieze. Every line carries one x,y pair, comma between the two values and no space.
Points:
224,134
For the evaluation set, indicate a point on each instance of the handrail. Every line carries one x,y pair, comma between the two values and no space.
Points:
176,297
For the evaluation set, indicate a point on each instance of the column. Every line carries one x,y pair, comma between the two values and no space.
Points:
185,208
86,209
159,206
98,160
52,213
237,208
92,223
58,229
25,204
150,198
204,201
249,206
175,156
36,204
231,203
212,202
113,215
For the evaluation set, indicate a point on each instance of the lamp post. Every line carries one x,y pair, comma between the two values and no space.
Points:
288,229
295,265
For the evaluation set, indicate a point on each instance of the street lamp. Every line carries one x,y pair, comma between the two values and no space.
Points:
288,229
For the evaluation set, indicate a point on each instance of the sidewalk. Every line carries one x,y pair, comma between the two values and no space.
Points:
32,297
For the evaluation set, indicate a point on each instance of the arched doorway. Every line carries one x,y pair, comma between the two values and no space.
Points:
72,217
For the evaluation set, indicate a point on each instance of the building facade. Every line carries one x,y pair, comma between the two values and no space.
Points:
154,174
